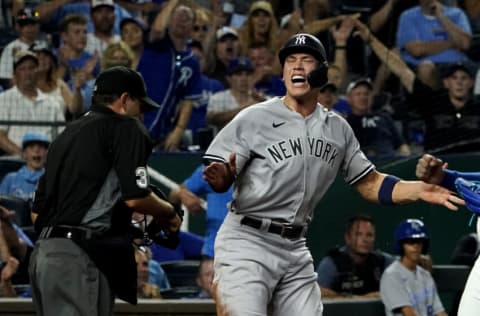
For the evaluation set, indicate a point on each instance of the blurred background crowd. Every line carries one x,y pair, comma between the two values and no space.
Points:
403,73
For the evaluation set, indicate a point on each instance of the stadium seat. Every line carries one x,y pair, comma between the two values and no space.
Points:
182,277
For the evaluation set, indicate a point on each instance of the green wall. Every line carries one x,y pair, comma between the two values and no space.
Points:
341,202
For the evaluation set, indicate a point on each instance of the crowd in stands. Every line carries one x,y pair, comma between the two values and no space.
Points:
403,73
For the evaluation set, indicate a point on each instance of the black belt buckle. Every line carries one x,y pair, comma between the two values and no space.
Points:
290,231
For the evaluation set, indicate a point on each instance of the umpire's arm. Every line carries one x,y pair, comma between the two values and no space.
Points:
158,208
386,189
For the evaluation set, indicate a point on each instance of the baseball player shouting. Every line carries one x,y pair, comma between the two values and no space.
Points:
282,155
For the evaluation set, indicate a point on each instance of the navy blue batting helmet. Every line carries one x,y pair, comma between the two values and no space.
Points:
411,228
308,44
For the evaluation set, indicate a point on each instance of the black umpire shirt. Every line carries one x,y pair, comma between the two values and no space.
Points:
97,160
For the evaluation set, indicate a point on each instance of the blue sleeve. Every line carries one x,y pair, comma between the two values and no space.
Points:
461,21
326,271
6,184
405,33
196,183
451,175
157,275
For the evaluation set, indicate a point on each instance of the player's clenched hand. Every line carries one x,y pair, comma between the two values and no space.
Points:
435,194
220,175
430,169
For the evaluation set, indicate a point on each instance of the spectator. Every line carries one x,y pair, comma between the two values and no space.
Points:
355,268
145,289
451,115
116,54
103,18
132,33
188,194
224,105
22,183
405,287
50,84
51,13
430,35
376,131
25,102
329,98
155,270
261,27
203,29
197,125
383,22
174,86
76,65
225,48
265,80
205,277
26,24
14,254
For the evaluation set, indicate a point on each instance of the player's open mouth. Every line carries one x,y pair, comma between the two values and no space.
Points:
37,158
298,80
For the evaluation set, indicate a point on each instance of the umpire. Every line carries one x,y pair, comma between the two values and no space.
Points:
94,179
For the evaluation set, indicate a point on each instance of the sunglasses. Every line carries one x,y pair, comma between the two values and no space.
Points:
197,28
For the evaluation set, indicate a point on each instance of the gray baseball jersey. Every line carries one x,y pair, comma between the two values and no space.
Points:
285,162
401,287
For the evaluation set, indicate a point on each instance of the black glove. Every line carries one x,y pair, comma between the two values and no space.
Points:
156,231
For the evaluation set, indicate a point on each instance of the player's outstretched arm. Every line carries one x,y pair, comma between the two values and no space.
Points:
221,175
386,189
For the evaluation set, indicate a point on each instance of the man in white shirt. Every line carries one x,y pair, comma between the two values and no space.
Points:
103,17
25,102
27,26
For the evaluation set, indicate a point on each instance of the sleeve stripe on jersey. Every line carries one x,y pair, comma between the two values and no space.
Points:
362,174
210,157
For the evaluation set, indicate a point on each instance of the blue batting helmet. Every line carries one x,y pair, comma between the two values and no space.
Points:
411,228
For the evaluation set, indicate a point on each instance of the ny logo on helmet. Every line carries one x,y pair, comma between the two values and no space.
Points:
300,40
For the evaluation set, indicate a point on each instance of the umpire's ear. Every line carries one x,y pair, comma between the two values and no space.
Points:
123,101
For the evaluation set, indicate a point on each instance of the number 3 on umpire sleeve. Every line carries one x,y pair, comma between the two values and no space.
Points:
142,177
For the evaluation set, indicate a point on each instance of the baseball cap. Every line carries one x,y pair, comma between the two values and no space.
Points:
451,69
22,55
134,21
226,31
239,64
27,16
261,5
35,137
361,81
100,3
329,86
119,79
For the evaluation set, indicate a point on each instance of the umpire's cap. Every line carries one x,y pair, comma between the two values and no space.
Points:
303,43
119,79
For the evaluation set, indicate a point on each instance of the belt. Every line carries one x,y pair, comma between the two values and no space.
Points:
285,231
69,232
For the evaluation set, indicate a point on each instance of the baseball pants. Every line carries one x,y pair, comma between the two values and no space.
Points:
254,269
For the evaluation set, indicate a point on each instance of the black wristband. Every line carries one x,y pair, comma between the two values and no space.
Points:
340,47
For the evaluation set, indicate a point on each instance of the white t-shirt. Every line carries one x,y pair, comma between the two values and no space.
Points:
96,44
15,106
